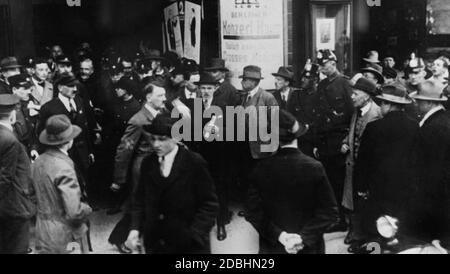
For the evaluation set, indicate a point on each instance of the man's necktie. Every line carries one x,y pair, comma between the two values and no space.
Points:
73,111
162,166
42,84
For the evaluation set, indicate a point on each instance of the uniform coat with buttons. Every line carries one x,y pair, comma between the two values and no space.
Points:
290,192
353,140
4,87
175,214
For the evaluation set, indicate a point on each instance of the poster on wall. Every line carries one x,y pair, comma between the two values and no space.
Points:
192,31
252,34
173,29
326,33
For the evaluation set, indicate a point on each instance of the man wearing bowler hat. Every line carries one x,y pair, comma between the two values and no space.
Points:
9,66
70,104
431,202
383,171
175,204
254,96
226,90
16,188
334,110
62,215
366,111
291,202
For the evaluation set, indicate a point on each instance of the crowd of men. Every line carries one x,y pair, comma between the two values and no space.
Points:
81,133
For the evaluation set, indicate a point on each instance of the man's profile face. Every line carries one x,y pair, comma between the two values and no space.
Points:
41,71
438,68
23,93
281,83
371,77
68,91
157,98
359,98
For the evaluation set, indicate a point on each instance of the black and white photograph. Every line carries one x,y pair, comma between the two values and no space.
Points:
224,127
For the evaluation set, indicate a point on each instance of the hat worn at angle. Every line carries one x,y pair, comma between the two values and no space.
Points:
58,131
161,125
20,80
8,103
284,72
390,73
252,72
216,64
287,127
207,79
376,70
367,86
429,91
9,63
395,93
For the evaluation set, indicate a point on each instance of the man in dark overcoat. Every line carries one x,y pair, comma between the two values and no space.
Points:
431,202
290,201
175,204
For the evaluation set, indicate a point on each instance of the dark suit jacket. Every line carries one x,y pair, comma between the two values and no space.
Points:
82,144
383,167
290,192
431,201
4,87
16,189
293,103
178,212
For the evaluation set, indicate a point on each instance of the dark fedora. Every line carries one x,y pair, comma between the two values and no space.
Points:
252,72
395,93
289,128
429,91
376,70
285,72
64,60
161,125
207,79
58,131
216,64
8,103
9,63
367,86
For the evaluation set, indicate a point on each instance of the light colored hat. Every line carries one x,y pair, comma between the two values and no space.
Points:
58,131
395,93
429,91
372,57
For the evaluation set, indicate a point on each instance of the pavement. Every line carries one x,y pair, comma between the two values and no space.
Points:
242,237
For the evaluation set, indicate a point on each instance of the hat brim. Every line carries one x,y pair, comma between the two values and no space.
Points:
416,96
11,67
394,99
45,140
371,61
286,135
249,77
376,73
284,76
156,58
216,68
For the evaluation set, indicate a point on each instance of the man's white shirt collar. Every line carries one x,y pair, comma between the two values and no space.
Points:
168,162
38,87
188,93
67,102
8,126
153,111
366,108
253,91
430,113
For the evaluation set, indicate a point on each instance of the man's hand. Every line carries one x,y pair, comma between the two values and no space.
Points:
34,155
293,243
133,240
345,149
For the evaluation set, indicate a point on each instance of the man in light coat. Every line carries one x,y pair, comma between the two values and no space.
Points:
62,215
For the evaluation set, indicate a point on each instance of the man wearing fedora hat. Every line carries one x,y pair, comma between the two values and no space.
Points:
62,215
334,108
366,111
372,58
9,66
431,202
250,151
374,73
291,201
286,96
383,171
175,204
226,90
16,188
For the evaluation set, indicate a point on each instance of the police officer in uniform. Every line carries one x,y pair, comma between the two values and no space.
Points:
334,111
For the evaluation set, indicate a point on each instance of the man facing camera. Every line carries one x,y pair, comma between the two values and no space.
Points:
290,201
175,204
